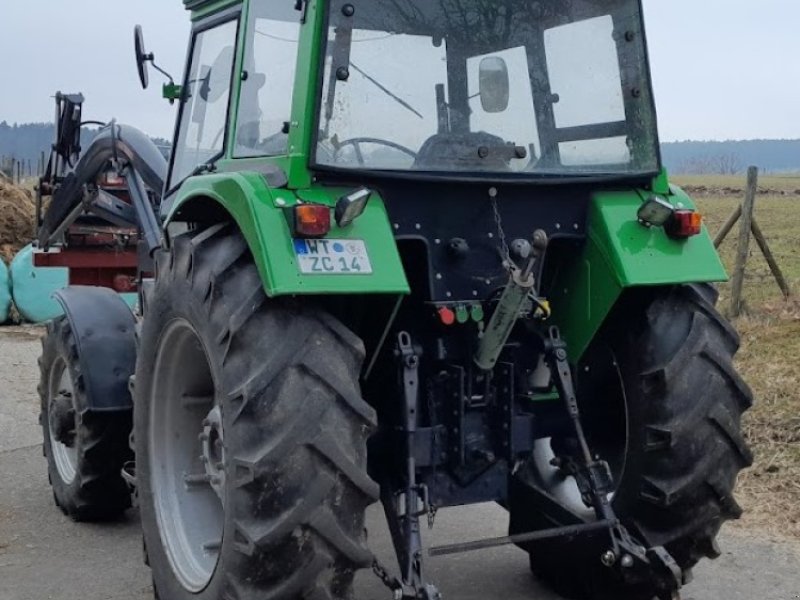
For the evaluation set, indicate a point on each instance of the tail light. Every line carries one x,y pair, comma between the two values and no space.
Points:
312,220
684,224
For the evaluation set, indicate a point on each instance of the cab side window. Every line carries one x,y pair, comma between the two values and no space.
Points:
265,103
204,110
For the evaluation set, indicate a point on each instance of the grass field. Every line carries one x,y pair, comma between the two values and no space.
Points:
770,354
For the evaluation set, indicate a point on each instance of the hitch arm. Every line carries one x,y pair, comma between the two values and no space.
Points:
596,483
404,508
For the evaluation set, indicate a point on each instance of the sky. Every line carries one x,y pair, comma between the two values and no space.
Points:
722,69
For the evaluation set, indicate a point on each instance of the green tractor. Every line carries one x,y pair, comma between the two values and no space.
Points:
415,251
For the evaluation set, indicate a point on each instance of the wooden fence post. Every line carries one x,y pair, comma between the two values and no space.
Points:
743,245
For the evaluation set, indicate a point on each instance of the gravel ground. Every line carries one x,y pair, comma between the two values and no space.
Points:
44,555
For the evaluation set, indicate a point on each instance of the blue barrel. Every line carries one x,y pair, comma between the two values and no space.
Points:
5,292
32,288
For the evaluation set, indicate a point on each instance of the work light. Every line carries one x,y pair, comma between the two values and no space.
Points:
351,206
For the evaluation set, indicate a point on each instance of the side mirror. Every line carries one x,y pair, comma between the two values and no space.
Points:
142,58
494,84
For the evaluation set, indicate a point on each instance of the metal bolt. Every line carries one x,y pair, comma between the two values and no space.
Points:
608,558
627,561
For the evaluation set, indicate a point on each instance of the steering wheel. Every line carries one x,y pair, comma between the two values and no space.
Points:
356,144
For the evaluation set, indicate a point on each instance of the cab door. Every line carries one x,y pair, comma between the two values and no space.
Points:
206,98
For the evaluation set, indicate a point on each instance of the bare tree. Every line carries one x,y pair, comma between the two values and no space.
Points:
729,163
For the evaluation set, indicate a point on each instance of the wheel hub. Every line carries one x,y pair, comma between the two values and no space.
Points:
61,421
213,456
62,418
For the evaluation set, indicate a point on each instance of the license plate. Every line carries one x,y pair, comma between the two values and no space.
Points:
332,257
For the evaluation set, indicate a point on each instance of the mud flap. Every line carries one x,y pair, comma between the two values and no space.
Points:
104,331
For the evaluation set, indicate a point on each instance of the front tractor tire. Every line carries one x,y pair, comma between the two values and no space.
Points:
85,449
250,434
661,378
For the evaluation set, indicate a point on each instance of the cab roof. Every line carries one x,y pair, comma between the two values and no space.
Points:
207,6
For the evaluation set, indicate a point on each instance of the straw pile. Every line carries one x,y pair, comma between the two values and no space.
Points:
17,216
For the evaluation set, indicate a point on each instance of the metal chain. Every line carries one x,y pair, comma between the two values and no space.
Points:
390,582
432,510
498,220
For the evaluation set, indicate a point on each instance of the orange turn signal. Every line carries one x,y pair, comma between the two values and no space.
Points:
312,220
684,224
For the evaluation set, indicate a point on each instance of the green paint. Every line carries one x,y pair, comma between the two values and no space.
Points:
547,397
171,92
620,253
202,8
261,217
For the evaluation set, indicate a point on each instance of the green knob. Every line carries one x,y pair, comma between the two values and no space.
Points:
477,313
462,314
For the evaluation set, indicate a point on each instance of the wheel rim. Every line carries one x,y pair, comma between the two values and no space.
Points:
65,457
606,429
186,456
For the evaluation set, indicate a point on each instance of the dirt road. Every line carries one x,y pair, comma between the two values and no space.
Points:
44,556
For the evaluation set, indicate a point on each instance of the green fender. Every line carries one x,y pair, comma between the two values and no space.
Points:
261,214
620,253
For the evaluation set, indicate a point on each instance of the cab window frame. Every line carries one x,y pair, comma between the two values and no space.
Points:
248,45
233,14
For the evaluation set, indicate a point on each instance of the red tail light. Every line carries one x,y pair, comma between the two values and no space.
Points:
684,224
312,220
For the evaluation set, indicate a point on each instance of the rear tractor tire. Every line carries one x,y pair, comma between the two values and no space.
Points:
250,434
85,449
661,382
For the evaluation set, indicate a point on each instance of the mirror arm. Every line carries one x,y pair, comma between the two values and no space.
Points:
151,58
170,91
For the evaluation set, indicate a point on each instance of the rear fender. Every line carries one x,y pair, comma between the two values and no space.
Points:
619,253
260,211
104,330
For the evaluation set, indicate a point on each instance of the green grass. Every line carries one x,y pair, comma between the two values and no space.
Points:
770,355
783,183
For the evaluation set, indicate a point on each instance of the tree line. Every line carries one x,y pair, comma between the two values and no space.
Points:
24,143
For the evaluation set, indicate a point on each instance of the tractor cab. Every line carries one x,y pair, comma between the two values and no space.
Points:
493,90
